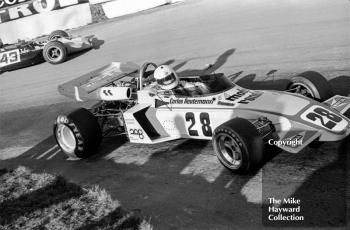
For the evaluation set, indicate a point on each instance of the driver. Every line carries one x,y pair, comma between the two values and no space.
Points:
167,79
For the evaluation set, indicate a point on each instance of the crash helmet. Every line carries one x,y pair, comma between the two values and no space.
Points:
166,77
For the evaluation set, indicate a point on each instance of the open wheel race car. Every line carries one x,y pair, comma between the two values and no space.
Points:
54,49
239,121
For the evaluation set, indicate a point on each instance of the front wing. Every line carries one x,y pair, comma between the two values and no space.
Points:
294,141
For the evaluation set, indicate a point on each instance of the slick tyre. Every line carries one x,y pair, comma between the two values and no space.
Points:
311,84
78,134
55,52
58,34
238,145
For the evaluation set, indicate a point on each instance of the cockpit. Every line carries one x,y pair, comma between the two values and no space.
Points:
205,85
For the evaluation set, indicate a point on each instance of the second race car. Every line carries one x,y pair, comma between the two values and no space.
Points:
239,121
54,49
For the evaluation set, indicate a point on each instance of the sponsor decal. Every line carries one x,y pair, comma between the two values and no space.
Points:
73,127
159,103
250,98
15,9
137,132
338,102
191,101
241,93
225,103
107,92
24,50
62,120
79,138
129,121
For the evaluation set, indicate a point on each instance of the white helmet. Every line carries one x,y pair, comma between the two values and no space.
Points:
166,77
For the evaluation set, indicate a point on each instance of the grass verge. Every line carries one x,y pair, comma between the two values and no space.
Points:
43,201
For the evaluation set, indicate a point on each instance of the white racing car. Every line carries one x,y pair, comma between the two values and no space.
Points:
239,121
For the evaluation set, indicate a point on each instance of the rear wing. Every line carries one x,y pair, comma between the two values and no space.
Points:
85,87
339,103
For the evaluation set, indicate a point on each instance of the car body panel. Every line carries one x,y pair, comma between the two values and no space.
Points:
19,56
76,44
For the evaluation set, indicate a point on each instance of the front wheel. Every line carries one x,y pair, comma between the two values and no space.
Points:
311,84
78,134
238,145
55,52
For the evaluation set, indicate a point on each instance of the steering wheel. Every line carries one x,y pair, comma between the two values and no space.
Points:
144,74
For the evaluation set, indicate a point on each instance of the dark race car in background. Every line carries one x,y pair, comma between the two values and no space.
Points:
53,49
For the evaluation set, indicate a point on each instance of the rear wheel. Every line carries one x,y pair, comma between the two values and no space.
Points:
58,34
238,145
311,84
78,134
55,52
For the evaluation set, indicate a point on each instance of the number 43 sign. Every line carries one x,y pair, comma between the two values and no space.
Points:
9,57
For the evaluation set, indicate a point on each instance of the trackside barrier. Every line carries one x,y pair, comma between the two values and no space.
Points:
26,19
32,18
119,8
92,2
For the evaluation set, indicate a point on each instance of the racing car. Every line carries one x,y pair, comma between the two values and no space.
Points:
54,50
239,121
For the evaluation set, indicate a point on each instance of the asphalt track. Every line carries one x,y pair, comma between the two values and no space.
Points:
180,184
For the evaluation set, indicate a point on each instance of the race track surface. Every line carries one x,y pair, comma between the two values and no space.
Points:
180,184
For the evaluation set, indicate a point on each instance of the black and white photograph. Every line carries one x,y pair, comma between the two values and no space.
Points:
174,114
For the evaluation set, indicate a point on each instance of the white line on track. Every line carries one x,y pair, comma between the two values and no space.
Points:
49,150
54,154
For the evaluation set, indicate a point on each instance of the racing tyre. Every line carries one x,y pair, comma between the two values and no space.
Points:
238,145
58,34
78,134
55,52
311,84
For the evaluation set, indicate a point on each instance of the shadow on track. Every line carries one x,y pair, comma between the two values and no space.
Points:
322,195
169,182
340,84
219,62
249,82
160,179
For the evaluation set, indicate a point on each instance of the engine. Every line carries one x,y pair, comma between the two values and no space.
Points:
110,116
